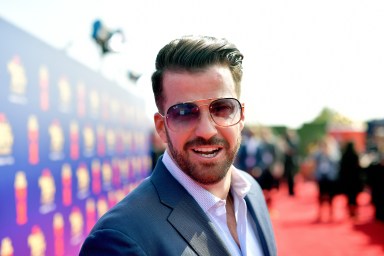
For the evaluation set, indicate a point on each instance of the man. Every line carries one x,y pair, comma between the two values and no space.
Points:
195,202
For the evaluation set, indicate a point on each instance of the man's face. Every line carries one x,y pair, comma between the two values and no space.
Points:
204,150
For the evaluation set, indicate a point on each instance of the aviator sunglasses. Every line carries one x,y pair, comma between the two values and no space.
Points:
224,112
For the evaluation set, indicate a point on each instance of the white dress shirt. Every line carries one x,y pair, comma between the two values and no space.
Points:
215,209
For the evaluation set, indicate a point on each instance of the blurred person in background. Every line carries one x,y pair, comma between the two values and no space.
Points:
246,158
291,159
265,165
350,176
196,202
375,181
326,174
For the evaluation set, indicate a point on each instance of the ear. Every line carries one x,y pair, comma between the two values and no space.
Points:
160,126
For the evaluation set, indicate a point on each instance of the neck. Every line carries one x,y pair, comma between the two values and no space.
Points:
220,189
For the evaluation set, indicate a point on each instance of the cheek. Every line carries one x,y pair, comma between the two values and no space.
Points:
177,140
232,135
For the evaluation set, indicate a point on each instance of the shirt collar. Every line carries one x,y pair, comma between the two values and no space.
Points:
239,185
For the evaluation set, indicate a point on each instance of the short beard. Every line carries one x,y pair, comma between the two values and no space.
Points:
208,174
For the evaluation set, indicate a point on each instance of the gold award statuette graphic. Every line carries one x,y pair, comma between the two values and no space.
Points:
106,171
89,140
6,141
48,191
36,242
83,181
6,247
77,224
57,140
102,206
65,94
18,81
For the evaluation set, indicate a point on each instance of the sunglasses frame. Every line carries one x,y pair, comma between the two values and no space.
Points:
165,116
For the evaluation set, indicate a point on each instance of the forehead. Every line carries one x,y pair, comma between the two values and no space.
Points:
183,86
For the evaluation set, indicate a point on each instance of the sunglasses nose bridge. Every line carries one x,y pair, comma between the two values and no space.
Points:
205,126
209,111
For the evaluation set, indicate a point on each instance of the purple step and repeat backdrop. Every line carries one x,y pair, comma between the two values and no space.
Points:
72,144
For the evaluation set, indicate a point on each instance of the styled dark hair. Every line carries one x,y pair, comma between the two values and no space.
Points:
194,53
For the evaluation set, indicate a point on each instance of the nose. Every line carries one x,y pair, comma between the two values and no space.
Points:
205,127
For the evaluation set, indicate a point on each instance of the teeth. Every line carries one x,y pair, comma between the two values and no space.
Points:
208,155
205,150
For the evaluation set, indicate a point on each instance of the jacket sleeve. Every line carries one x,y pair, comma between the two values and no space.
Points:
110,242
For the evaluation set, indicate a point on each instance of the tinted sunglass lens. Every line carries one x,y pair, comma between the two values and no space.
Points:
182,115
225,112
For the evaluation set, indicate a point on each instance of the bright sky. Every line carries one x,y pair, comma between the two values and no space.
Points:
300,55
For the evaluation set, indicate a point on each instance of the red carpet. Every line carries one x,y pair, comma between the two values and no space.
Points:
298,232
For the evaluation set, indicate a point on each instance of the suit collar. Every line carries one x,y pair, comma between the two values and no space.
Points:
258,213
187,217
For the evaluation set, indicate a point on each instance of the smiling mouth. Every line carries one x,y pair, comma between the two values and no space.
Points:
207,152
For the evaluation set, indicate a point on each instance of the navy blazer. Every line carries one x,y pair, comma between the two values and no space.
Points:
160,217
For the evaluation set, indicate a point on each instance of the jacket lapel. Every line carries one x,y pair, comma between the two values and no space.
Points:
187,217
259,212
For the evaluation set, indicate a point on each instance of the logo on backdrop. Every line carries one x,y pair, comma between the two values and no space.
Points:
77,224
94,102
111,140
48,191
66,179
33,139
116,179
105,106
83,181
36,241
21,194
74,140
81,99
58,233
6,141
65,95
6,247
90,209
100,133
124,169
107,175
89,140
57,140
96,176
44,88
115,107
102,206
18,81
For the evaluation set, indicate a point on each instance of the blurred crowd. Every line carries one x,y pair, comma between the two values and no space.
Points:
269,158
336,167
